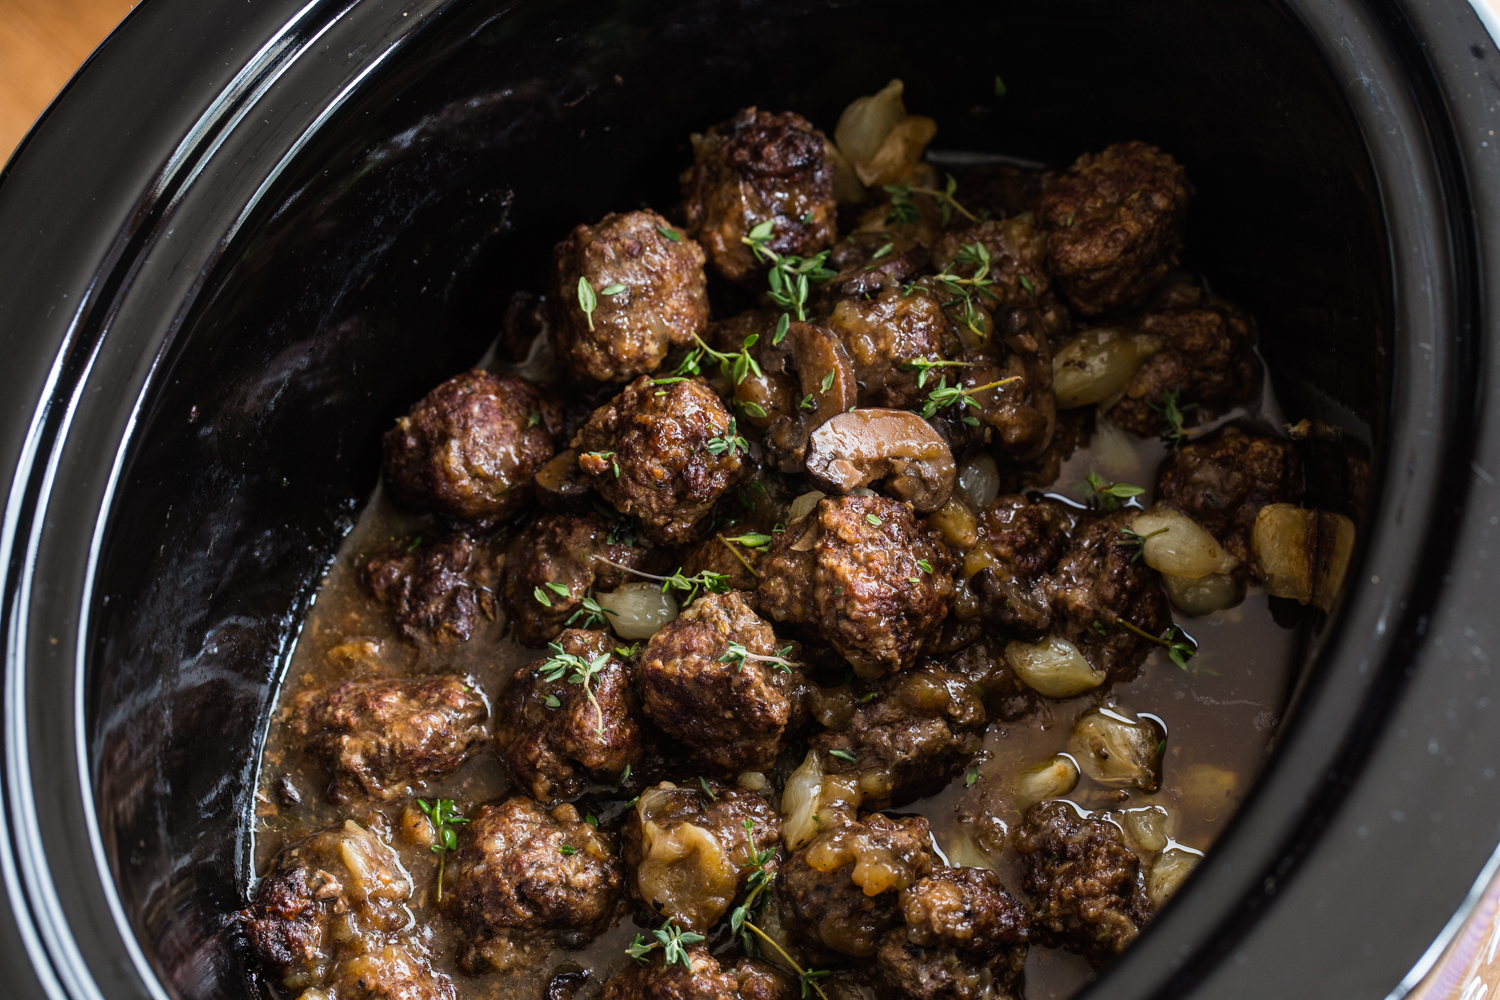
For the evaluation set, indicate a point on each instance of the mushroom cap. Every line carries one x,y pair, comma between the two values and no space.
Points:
857,448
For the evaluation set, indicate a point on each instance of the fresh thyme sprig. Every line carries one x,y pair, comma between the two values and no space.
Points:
587,301
1137,541
742,919
711,582
904,213
790,277
582,673
739,656
945,395
591,613
752,540
1110,494
1179,645
671,939
924,366
444,816
728,443
1174,413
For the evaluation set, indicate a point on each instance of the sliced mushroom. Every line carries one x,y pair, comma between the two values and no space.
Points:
561,484
1116,750
826,378
860,447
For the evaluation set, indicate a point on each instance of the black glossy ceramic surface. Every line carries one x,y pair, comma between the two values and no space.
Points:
226,300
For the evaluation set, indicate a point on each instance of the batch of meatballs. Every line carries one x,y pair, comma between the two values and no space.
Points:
794,537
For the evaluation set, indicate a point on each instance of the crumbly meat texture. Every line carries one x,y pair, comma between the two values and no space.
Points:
554,738
1016,269
381,737
468,448
315,924
759,166
513,882
1014,420
1071,431
1082,880
650,453
1096,581
703,979
649,289
440,592
917,730
824,906
1206,358
864,576
570,551
859,272
983,664
1026,539
1222,481
964,938
673,871
729,714
884,335
1114,225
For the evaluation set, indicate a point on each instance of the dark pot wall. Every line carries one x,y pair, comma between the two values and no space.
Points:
250,377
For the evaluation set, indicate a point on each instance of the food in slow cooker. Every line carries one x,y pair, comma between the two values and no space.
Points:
871,570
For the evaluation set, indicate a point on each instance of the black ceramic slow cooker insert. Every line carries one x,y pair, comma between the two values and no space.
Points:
248,235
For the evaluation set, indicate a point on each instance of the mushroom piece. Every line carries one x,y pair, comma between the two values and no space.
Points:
561,484
860,447
826,377
1119,751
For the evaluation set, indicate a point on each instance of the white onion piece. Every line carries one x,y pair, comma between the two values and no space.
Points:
867,121
1335,546
1051,779
799,802
638,609
1118,751
980,479
965,852
899,154
846,186
1168,873
1096,364
1053,667
803,506
1208,791
1112,453
1205,595
1178,545
753,781
1150,827
1284,539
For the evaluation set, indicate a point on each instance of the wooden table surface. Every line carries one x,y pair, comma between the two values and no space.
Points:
41,43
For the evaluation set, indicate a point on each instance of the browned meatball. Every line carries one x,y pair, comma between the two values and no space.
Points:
1025,542
1206,359
524,873
317,924
998,188
905,736
1082,879
380,737
440,592
689,852
886,335
865,577
1114,224
703,979
469,447
1012,253
662,455
568,551
1097,586
865,263
1222,481
830,900
964,939
649,294
554,735
755,167
728,712
984,664
1015,420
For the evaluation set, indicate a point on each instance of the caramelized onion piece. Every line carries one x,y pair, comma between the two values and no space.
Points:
1116,750
1205,595
1053,667
1178,545
979,478
898,447
1051,779
1303,554
684,872
1097,364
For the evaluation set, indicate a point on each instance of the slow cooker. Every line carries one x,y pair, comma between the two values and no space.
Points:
248,234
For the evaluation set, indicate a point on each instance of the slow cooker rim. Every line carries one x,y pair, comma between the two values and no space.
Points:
16,623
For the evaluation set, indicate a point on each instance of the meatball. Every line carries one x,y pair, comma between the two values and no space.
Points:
573,552
1206,359
555,734
729,711
905,736
842,891
759,167
998,188
1014,419
860,272
1012,253
885,335
525,873
965,939
1072,431
662,455
440,592
380,737
648,292
865,577
702,979
984,665
1082,879
1114,224
691,850
1097,585
1025,542
333,912
1222,481
469,447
